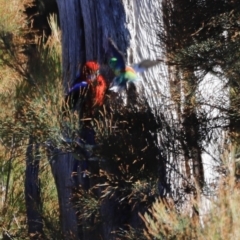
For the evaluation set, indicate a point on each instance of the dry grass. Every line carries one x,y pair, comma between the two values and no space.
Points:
12,18
12,207
219,221
31,101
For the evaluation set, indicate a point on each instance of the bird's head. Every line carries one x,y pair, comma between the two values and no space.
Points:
91,70
92,65
113,64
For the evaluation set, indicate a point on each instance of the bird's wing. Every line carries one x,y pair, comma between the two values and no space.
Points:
117,54
145,64
77,86
120,82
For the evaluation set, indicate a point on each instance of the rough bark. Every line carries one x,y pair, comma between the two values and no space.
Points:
62,164
73,52
86,26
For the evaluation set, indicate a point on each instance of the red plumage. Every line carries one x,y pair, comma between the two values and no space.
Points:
92,65
97,84
98,90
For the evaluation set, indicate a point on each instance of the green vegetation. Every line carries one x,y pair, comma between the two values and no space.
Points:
30,93
131,186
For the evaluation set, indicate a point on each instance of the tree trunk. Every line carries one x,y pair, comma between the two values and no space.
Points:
191,126
32,191
62,165
86,26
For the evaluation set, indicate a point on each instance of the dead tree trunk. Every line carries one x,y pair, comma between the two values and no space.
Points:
86,26
62,165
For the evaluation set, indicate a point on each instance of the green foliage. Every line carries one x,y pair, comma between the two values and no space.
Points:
50,204
128,138
126,179
31,102
128,148
12,207
12,195
88,205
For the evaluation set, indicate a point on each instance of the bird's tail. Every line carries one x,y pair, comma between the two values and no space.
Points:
116,88
136,80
